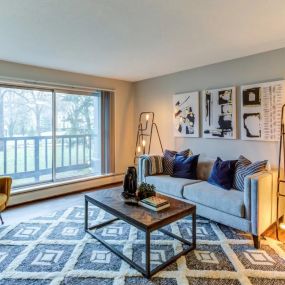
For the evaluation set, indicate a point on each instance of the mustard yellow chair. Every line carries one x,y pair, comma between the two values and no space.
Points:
5,189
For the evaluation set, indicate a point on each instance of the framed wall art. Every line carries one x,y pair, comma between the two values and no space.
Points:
219,113
186,114
261,110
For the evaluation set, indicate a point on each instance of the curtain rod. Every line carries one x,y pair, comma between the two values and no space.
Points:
49,85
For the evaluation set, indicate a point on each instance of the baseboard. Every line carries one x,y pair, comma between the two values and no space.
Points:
59,190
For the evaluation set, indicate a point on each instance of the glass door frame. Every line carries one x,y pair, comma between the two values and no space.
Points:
53,147
106,131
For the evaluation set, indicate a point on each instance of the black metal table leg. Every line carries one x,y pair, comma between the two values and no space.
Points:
86,215
147,272
194,229
176,237
147,253
103,224
118,253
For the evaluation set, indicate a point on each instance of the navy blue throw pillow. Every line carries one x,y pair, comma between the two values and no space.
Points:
185,167
222,173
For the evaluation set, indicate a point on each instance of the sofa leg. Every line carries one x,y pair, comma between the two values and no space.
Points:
256,241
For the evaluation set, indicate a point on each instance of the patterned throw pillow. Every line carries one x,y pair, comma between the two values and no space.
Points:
156,166
168,159
245,167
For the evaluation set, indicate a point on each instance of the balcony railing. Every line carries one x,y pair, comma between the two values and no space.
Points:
31,157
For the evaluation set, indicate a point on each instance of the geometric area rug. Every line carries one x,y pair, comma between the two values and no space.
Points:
55,250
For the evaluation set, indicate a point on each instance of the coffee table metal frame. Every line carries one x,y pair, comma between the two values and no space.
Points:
147,272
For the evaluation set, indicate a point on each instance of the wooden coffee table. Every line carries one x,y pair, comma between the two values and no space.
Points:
144,219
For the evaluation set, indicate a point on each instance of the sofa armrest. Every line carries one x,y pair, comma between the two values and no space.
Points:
260,200
149,165
143,169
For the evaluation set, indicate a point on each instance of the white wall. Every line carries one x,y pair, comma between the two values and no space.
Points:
156,95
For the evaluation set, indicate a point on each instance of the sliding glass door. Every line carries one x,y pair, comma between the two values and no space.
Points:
25,135
50,135
78,135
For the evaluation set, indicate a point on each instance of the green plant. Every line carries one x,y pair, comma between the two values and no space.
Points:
146,190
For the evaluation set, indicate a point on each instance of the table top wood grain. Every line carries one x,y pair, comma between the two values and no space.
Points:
112,202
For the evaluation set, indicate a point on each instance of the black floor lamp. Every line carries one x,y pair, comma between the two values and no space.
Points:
145,130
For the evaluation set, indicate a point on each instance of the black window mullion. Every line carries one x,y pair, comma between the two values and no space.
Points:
103,143
54,114
106,132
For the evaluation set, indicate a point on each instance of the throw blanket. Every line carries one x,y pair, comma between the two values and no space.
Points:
149,165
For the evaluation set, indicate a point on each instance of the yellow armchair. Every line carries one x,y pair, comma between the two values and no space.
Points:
5,189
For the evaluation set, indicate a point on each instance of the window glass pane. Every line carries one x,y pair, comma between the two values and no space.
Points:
78,135
26,135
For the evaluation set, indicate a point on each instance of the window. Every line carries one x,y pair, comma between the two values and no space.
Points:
25,135
78,135
50,135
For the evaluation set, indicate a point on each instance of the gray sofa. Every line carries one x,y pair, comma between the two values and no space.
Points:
252,210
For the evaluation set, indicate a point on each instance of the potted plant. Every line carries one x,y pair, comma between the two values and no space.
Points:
145,190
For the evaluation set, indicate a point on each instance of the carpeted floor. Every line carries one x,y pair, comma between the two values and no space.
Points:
55,250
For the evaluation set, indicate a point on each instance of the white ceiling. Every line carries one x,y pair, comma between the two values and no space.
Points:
137,39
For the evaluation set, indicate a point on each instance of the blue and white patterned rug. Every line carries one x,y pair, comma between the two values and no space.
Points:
55,250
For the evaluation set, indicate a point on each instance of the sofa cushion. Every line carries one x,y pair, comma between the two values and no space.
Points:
227,201
204,168
169,185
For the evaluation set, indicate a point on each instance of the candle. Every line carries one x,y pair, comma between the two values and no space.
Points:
147,117
139,148
143,144
282,226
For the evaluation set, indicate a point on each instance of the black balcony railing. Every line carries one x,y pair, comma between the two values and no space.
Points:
31,157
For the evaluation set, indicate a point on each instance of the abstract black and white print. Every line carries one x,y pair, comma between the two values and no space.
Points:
186,114
261,110
252,124
251,97
219,113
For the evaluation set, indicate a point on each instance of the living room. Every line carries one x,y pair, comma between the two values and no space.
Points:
111,108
